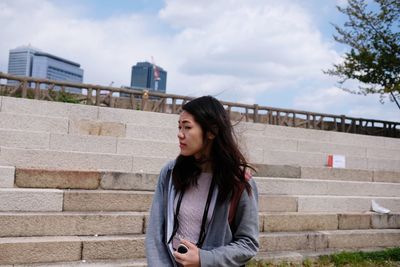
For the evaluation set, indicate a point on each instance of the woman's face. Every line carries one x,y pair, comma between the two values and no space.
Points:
190,137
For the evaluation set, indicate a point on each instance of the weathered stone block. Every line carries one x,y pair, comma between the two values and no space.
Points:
33,123
7,174
99,200
269,170
39,249
293,241
42,178
277,203
113,248
128,181
83,143
14,199
48,108
70,224
386,176
100,128
363,238
354,221
299,222
385,221
336,174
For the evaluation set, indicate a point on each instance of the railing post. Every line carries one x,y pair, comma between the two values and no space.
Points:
173,111
89,96
294,120
255,115
322,122
164,102
343,123
37,90
278,117
133,101
24,89
145,97
270,117
97,97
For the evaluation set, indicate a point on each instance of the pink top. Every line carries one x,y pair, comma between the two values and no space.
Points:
192,209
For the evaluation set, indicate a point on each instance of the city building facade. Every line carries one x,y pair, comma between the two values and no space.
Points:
149,76
28,61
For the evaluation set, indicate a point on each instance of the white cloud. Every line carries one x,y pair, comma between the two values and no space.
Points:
262,39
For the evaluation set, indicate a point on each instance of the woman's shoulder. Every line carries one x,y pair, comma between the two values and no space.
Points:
167,167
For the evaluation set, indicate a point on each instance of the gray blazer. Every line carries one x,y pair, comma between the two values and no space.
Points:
221,247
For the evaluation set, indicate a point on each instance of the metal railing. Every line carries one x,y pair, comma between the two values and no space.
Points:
139,99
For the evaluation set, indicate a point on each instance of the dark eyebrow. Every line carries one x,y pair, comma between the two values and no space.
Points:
184,121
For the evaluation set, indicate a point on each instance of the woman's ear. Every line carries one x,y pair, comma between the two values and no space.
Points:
210,135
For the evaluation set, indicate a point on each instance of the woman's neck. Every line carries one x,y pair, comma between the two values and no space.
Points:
206,167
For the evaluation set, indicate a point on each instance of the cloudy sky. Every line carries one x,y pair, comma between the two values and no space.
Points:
250,51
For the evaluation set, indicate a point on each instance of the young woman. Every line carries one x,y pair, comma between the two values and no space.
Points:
195,192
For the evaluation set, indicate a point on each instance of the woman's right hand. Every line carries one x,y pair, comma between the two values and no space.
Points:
191,258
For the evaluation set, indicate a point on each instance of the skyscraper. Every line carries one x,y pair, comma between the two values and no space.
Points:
28,61
150,76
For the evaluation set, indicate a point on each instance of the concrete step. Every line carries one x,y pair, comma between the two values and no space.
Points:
311,159
24,224
325,173
77,112
345,204
349,150
70,248
61,249
24,139
31,140
267,143
107,144
7,174
62,160
334,239
151,132
349,174
91,263
37,158
87,143
48,109
259,129
316,203
46,178
33,123
17,199
14,199
299,221
159,134
290,186
17,224
107,200
62,179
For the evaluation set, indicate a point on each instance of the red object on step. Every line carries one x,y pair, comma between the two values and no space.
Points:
330,161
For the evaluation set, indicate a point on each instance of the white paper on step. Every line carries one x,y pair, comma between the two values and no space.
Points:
378,208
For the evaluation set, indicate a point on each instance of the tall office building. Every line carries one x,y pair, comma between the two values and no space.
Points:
28,61
150,76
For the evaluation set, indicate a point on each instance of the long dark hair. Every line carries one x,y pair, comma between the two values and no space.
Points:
228,164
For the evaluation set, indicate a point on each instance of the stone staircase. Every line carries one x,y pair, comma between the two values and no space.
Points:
77,181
